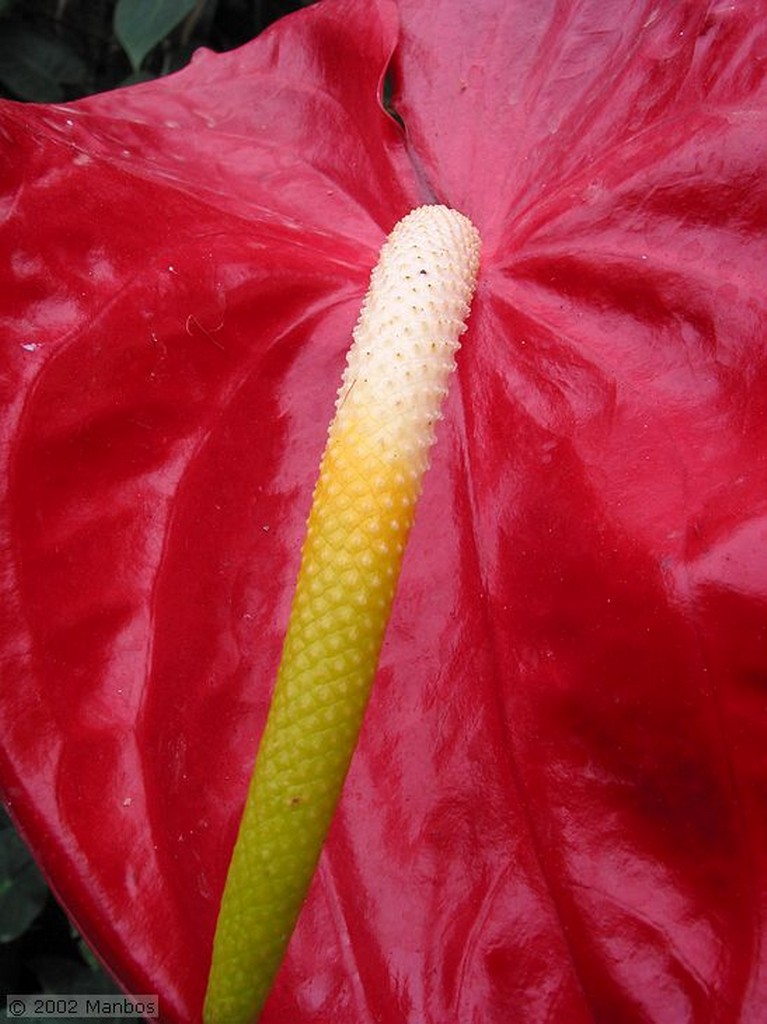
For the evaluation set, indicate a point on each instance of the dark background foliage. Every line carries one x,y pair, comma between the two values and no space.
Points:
56,50
53,51
40,950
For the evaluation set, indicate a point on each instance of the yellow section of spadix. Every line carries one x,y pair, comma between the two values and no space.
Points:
370,477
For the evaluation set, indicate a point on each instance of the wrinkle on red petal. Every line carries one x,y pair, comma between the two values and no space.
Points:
531,97
287,130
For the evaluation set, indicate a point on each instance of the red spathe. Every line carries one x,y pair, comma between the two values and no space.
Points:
557,808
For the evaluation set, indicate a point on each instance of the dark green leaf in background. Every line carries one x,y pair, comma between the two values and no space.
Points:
141,24
23,891
34,65
60,976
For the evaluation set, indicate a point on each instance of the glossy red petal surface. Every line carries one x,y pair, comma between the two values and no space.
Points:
557,808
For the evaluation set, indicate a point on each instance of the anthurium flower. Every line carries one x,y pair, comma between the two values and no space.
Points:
556,808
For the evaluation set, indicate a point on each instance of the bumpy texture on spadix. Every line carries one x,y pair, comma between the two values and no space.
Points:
370,477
